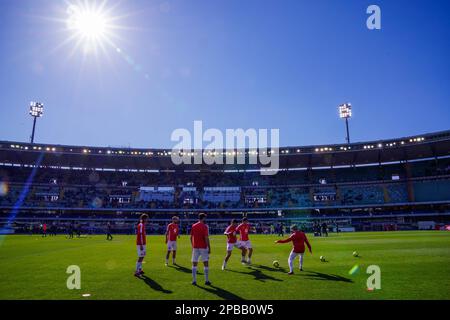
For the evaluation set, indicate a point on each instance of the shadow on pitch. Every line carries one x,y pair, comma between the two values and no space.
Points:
154,285
184,269
267,268
323,276
221,293
257,274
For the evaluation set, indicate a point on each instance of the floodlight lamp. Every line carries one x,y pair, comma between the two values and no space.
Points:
345,110
36,109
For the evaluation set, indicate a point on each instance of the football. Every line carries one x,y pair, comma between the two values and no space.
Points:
322,258
355,254
276,264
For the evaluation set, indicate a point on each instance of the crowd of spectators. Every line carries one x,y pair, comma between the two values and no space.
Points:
58,188
213,178
98,197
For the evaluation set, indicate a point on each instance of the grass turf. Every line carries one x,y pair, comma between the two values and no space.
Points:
414,265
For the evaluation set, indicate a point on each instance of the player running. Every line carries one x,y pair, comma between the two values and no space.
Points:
298,239
141,241
232,242
200,247
172,233
244,229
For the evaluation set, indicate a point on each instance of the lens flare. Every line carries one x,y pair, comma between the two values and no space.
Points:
96,203
354,270
3,189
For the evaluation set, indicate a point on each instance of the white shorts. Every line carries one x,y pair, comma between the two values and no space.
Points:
197,253
230,246
171,245
246,244
141,253
293,255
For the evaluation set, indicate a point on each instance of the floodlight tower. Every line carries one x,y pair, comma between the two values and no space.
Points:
345,112
36,111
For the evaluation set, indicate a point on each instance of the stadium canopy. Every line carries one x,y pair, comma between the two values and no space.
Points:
426,146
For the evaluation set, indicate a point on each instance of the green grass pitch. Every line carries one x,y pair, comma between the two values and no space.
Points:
414,265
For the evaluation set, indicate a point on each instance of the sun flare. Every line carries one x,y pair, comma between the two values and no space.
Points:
90,24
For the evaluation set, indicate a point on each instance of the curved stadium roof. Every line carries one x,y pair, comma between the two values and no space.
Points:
431,145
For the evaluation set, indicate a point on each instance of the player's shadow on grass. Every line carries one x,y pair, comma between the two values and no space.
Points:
183,269
154,285
257,274
221,293
323,276
279,269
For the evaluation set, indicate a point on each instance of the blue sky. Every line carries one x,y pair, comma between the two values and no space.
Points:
232,64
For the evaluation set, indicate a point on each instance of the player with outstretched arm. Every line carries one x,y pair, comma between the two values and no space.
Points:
298,239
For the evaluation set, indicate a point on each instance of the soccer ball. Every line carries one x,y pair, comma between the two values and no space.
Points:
276,264
355,254
322,258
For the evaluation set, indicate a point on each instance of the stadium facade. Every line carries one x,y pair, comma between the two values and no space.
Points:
389,184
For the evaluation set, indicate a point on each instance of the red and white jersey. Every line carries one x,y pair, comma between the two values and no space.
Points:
244,229
298,239
199,232
231,234
172,232
141,237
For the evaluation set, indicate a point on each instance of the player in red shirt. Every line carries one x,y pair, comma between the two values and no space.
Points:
141,242
232,242
298,239
200,247
172,233
244,229
44,230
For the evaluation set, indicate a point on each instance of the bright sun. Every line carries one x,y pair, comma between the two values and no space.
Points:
94,27
90,24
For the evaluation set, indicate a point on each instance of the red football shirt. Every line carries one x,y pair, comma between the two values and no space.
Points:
231,234
244,229
141,237
199,232
172,231
298,239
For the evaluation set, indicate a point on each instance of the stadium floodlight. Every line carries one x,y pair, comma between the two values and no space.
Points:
345,112
36,111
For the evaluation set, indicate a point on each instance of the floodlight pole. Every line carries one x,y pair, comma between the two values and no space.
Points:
36,111
348,132
345,111
34,127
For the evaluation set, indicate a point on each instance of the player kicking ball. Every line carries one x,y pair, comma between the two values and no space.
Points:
141,241
232,242
200,248
298,239
244,229
172,234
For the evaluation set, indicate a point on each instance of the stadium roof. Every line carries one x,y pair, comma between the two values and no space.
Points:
432,145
